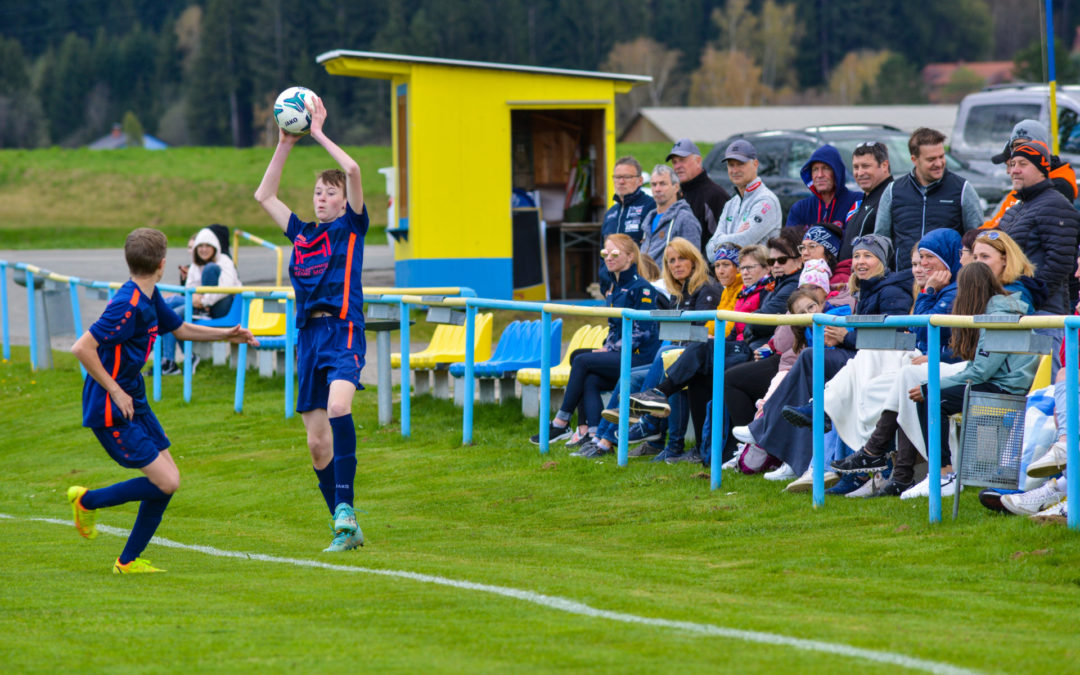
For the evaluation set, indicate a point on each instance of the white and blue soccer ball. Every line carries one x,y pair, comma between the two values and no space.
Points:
291,110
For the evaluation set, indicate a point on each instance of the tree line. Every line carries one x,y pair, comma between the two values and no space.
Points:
206,72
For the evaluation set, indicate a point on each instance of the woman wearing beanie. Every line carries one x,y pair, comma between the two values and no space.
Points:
876,292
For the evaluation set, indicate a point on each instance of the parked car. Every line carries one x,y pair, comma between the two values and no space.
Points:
985,119
781,154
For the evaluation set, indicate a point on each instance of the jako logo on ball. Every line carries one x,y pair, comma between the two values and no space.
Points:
291,111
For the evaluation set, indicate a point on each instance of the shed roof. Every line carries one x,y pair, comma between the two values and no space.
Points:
387,65
714,124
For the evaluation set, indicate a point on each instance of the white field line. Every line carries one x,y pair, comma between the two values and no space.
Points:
562,605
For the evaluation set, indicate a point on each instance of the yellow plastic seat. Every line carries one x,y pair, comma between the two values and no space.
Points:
586,337
1042,375
261,322
448,345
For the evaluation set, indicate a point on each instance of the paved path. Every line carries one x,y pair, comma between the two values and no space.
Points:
255,265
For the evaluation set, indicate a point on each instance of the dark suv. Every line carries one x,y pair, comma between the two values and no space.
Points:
781,154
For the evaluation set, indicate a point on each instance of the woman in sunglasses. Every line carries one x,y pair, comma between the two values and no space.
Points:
876,292
595,370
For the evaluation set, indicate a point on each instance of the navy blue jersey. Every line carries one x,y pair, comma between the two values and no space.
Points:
125,333
325,265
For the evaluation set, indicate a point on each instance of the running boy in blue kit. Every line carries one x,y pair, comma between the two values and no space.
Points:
114,351
324,267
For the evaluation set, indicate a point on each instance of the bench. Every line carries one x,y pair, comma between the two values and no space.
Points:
447,346
519,347
586,337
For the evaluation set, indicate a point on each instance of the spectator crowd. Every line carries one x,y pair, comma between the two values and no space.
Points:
897,245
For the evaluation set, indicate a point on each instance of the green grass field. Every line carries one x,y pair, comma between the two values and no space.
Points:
58,198
986,592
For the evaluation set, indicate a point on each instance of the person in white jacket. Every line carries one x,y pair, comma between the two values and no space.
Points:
209,267
752,215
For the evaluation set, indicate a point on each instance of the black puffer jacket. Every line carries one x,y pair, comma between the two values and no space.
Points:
889,295
1045,224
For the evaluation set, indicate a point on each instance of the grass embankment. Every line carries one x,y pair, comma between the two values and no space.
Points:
986,592
56,198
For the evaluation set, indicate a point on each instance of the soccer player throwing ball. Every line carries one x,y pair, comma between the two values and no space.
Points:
325,268
113,351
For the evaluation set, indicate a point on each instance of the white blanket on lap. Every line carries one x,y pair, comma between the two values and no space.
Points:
855,397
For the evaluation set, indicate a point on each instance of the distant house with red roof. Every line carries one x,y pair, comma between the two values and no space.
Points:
936,76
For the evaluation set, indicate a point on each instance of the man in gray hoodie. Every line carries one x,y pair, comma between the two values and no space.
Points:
752,215
671,218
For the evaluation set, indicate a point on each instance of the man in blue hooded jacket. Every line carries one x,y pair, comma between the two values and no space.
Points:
831,201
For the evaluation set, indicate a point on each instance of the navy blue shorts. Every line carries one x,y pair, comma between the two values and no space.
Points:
136,443
327,349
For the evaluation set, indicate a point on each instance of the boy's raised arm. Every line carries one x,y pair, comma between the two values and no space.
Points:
354,188
266,194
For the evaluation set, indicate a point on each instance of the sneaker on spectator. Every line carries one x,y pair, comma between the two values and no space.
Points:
848,482
805,482
743,435
612,415
652,402
785,472
195,360
733,463
664,454
1050,464
1031,502
1058,513
892,488
169,368
803,416
590,448
870,488
922,488
690,456
577,438
554,434
639,434
991,499
645,450
861,462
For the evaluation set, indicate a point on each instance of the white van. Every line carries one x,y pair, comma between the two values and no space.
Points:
984,120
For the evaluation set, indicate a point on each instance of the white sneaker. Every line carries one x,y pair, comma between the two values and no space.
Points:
1031,502
743,434
1049,464
1058,513
805,482
733,463
922,488
869,488
785,472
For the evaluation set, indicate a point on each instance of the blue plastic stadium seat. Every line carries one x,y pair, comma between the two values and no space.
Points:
229,320
519,347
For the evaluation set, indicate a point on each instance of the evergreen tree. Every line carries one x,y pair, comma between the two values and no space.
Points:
219,90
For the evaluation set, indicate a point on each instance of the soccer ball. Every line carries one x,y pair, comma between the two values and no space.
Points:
291,110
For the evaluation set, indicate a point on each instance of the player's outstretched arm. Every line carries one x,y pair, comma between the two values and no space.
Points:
236,334
85,349
266,195
354,187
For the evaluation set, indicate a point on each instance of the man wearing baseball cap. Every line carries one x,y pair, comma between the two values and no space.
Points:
1061,173
752,215
706,198
1043,223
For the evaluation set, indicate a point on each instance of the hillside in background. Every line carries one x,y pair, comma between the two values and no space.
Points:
206,72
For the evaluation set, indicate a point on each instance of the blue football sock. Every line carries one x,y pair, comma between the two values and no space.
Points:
344,458
134,490
146,523
326,484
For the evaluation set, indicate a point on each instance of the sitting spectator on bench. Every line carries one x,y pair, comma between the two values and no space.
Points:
209,267
978,292
687,275
596,371
877,292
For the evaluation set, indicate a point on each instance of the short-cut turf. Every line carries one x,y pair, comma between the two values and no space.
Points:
988,592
